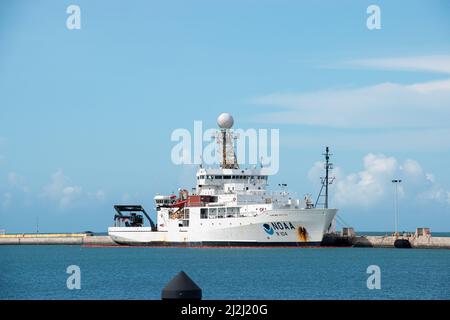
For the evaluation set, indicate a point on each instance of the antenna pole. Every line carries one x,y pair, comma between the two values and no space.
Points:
327,166
325,180
396,208
224,148
229,158
396,182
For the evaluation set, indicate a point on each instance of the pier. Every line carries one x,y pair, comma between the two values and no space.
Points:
388,242
415,240
55,239
329,240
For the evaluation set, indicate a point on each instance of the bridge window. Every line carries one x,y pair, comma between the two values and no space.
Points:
212,213
232,212
221,213
203,213
184,223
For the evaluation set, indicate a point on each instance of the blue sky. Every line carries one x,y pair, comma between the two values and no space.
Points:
86,115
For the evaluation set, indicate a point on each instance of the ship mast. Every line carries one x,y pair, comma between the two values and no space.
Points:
225,140
327,180
327,168
224,148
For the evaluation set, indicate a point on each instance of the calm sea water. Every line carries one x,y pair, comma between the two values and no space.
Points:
39,272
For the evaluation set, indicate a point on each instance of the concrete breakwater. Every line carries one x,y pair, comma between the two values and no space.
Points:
428,241
329,240
55,239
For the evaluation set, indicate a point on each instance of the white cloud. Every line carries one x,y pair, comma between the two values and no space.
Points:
430,177
373,183
131,198
385,105
368,186
414,171
430,63
437,193
62,190
386,140
6,199
17,189
406,116
317,172
18,181
2,141
99,195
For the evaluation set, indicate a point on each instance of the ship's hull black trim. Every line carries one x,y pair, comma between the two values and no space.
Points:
218,244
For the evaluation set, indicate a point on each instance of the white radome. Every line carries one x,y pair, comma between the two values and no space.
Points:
225,121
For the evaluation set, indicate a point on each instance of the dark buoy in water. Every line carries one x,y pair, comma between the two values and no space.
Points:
181,287
402,243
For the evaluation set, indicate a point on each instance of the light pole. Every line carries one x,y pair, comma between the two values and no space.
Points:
396,182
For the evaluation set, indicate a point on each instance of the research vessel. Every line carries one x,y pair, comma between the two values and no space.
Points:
229,206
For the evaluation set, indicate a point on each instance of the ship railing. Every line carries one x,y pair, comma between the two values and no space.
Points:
263,202
278,194
268,197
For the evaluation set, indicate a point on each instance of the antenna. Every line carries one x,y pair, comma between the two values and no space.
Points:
224,147
327,180
396,182
328,166
225,140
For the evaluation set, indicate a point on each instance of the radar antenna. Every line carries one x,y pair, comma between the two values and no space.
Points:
225,139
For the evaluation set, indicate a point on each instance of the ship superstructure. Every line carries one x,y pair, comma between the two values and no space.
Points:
229,206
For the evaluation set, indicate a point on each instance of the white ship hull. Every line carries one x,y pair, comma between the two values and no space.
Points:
229,206
283,227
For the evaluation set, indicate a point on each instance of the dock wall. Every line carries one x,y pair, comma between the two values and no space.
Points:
330,240
388,242
56,239
334,240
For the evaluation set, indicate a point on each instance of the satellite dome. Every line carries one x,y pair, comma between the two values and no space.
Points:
225,121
